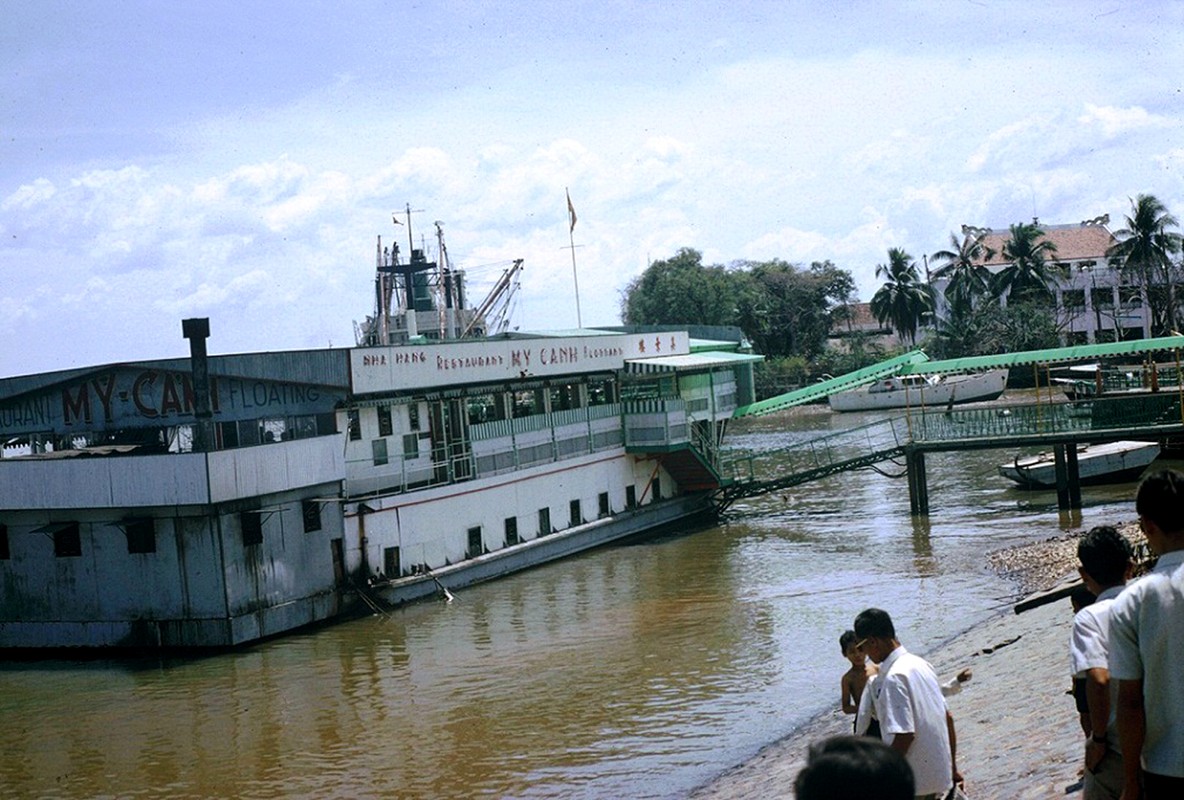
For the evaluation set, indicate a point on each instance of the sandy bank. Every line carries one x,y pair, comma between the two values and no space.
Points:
1018,735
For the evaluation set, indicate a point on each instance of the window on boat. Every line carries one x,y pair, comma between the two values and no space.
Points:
413,417
602,392
604,509
355,424
565,396
657,486
484,408
575,517
631,496
511,524
310,513
476,546
67,540
251,524
385,428
527,402
544,521
141,535
5,554
378,451
410,446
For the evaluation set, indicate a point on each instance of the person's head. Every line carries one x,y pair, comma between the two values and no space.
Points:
877,636
849,644
1160,505
854,768
1105,557
1081,597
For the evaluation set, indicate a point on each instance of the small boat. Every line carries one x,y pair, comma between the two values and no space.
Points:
1111,462
906,391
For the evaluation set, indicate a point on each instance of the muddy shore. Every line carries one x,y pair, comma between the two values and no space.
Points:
1018,734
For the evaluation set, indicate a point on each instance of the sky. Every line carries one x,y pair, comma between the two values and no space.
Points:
237,160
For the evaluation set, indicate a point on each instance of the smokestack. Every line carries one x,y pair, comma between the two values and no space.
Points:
197,330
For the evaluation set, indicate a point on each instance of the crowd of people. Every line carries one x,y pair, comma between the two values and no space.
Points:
1126,643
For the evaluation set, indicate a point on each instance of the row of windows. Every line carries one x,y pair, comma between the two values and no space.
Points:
141,532
476,545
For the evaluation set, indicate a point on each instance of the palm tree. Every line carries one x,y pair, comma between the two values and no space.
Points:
1144,253
904,299
1027,276
962,265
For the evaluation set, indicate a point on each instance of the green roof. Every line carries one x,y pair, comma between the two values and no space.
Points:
1054,355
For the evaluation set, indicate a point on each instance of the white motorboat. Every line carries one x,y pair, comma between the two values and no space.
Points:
1112,462
908,391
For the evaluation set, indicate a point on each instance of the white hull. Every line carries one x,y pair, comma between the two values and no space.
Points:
1113,462
940,391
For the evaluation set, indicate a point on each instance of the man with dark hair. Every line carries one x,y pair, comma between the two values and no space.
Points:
914,720
1146,643
1105,557
854,768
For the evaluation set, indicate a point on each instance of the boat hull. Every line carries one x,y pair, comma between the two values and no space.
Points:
952,390
1114,462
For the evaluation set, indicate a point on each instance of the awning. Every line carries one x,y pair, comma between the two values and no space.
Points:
692,362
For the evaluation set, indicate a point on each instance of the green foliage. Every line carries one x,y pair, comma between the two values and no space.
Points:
680,290
776,376
1029,275
782,308
991,329
962,265
904,300
1144,255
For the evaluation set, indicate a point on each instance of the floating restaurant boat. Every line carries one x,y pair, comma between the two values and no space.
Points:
915,390
212,501
1112,462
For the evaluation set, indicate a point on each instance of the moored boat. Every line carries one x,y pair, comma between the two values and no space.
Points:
907,391
1110,462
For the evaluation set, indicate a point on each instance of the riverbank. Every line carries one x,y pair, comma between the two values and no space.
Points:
1018,733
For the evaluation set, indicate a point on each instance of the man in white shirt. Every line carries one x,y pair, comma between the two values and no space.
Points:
1105,557
1147,646
908,701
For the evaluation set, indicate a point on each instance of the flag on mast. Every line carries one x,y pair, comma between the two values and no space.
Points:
571,212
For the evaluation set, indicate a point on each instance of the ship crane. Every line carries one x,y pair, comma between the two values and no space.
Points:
496,305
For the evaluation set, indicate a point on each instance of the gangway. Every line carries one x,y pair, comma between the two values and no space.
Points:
1150,416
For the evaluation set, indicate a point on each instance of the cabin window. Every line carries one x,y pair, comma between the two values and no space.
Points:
604,507
657,488
476,546
67,541
485,408
413,416
4,552
527,403
310,511
576,517
410,446
378,450
141,535
228,434
385,428
251,523
511,531
544,521
631,496
601,392
355,424
564,397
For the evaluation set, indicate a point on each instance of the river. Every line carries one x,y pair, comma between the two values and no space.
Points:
639,670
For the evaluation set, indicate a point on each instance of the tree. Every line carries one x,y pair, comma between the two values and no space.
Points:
962,266
904,299
787,310
1027,275
1144,254
681,290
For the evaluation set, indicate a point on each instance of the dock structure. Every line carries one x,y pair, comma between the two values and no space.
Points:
1151,416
